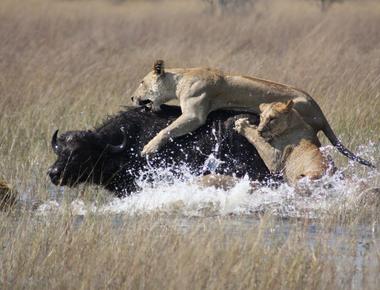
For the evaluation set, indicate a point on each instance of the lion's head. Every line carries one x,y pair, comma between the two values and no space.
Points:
275,118
155,88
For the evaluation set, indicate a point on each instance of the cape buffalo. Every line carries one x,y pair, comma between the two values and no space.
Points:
109,155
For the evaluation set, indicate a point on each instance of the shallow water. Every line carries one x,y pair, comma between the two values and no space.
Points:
184,203
185,197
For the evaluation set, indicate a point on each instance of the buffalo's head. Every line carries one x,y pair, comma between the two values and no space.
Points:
81,157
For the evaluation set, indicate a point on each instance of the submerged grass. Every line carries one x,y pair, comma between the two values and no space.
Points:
67,64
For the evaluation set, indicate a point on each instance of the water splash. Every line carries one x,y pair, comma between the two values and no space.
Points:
185,196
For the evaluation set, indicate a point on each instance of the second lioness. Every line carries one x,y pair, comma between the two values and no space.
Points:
286,143
203,90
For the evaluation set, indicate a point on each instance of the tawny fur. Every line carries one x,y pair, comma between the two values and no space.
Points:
203,90
286,143
224,182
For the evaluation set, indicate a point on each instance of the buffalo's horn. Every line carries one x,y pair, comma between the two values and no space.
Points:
54,143
118,148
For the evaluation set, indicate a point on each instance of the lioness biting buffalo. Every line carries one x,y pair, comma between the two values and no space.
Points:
213,105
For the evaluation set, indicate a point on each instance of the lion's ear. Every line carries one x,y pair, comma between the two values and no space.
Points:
289,104
158,67
262,107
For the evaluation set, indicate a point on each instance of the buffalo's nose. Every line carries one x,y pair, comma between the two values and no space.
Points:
132,99
52,171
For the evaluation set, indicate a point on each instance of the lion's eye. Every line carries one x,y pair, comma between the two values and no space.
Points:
272,121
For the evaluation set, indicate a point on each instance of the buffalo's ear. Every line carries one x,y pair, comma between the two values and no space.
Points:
263,107
158,67
289,105
116,149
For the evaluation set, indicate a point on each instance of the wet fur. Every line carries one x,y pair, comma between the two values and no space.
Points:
286,143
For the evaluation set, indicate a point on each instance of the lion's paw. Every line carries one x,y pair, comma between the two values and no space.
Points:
150,148
242,124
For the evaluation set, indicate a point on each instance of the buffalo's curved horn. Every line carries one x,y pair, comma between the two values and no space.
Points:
118,148
54,142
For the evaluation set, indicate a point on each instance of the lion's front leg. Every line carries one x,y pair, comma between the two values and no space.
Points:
194,114
270,155
181,126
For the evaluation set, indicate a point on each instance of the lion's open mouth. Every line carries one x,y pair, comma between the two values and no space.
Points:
145,102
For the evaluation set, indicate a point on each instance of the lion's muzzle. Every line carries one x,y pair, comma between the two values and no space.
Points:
139,102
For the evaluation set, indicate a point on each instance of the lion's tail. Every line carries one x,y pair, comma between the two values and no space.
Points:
341,148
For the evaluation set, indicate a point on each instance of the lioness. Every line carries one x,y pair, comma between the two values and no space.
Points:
203,90
285,142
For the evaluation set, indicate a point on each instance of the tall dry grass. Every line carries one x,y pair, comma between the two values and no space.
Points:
152,252
67,64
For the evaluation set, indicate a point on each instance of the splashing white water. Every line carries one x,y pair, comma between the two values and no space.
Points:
184,196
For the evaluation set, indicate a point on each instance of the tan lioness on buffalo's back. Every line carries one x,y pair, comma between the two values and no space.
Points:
203,90
286,143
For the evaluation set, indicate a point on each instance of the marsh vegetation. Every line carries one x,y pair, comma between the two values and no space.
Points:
67,64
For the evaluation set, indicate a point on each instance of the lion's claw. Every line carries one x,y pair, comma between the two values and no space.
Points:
242,124
149,149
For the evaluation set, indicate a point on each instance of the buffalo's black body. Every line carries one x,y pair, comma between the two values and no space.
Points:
83,156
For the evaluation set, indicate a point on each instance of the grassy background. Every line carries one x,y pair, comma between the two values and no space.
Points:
67,64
